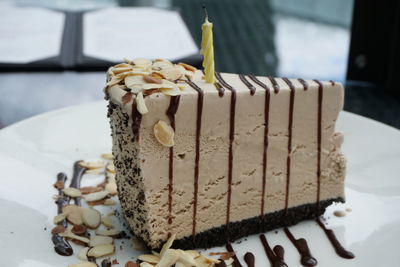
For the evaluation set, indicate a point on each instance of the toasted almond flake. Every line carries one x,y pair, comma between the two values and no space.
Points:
58,229
91,189
142,62
152,79
118,70
158,75
82,254
59,218
91,218
59,185
193,253
97,202
113,81
74,214
201,263
187,67
108,232
179,264
109,202
172,73
84,264
168,258
95,171
185,258
110,167
101,250
96,196
131,264
140,104
100,240
133,72
131,81
111,187
92,164
107,222
229,261
167,245
146,264
149,258
171,91
70,235
107,156
78,229
164,133
72,192
149,86
123,65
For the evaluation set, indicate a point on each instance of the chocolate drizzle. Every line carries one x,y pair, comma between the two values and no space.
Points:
340,250
172,109
197,158
236,262
249,85
136,121
302,247
304,83
319,138
249,259
290,129
231,139
220,89
221,263
332,82
266,128
76,179
274,84
276,256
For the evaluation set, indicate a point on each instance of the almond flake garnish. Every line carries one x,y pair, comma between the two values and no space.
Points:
169,258
164,133
100,240
84,264
109,202
152,79
107,222
82,254
91,189
110,232
59,218
92,164
91,218
187,67
58,229
72,192
150,258
110,167
101,250
96,196
167,245
145,264
74,214
107,156
140,104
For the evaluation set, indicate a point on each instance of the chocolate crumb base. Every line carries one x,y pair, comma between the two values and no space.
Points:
217,236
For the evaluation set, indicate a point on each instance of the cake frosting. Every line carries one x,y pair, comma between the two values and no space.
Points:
246,150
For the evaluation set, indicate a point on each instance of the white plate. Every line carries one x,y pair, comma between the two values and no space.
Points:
32,152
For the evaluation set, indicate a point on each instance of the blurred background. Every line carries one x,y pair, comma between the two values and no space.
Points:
53,53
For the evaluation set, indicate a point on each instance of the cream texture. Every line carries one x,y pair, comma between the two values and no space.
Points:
153,158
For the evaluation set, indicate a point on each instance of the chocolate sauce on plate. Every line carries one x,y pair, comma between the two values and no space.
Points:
236,262
275,256
302,247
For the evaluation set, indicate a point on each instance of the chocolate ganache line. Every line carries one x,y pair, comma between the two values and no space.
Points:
248,84
304,83
275,85
290,130
136,121
200,100
249,259
340,250
236,262
220,89
266,128
319,138
276,256
171,111
302,247
231,139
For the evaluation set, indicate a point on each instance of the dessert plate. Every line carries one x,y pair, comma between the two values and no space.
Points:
33,151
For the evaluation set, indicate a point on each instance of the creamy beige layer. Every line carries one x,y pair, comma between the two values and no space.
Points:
153,158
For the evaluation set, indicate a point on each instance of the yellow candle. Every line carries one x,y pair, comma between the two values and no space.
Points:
207,50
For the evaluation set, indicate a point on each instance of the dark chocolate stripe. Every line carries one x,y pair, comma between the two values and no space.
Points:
171,111
276,256
290,129
197,159
319,139
77,174
236,262
220,89
340,250
136,121
249,85
332,82
249,259
231,139
302,247
304,83
266,128
274,84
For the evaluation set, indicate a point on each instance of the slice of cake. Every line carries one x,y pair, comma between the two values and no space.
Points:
216,162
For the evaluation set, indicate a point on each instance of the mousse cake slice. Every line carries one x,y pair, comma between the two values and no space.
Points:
212,163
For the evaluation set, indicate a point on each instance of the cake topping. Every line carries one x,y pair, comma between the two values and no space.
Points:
164,133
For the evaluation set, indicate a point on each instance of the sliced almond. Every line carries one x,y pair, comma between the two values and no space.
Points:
158,75
101,250
131,264
91,218
133,72
145,264
149,86
82,254
92,164
133,81
185,258
123,65
74,214
110,167
72,192
111,187
95,171
59,185
229,261
107,222
149,258
59,218
152,79
187,67
172,73
117,70
168,258
107,156
113,81
167,245
96,196
108,232
58,229
179,264
140,104
142,63
70,235
193,253
91,189
84,264
100,240
79,229
109,202
164,133
174,91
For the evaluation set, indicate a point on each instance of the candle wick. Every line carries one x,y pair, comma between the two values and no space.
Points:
205,11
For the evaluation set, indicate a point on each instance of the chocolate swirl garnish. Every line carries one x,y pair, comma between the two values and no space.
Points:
231,139
340,250
319,138
276,256
197,158
266,128
290,130
172,109
274,84
236,262
302,247
249,85
304,83
76,179
249,259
